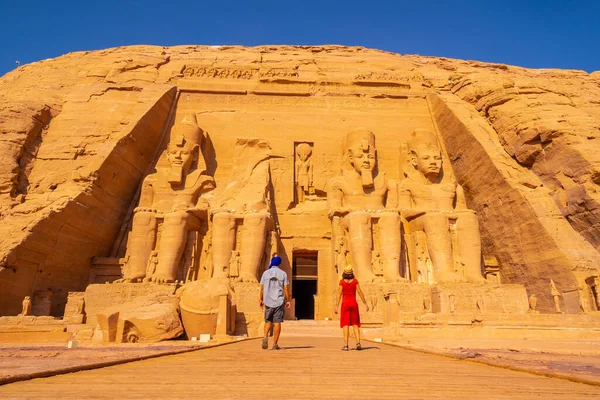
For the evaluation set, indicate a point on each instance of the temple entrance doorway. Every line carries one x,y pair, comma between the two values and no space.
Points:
304,283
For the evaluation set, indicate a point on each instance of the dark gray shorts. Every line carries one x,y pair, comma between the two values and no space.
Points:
274,314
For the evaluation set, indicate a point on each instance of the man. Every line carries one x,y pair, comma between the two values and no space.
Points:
274,289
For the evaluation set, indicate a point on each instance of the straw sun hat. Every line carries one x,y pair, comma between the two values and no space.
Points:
348,269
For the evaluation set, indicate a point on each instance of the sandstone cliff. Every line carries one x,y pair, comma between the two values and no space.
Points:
79,132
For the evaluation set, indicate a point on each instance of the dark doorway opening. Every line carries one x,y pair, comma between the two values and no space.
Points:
304,283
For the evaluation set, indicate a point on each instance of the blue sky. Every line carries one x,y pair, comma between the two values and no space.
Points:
536,34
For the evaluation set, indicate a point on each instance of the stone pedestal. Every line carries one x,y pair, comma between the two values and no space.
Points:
408,299
101,296
460,298
249,314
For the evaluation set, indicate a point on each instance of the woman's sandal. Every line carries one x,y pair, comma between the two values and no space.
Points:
345,348
358,346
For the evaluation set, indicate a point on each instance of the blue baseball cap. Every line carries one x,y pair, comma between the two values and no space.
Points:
275,262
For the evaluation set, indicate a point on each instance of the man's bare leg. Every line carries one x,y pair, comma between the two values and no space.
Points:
276,332
265,339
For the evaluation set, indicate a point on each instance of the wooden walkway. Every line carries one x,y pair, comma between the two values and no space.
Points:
305,368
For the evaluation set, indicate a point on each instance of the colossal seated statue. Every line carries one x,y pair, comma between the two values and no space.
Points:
359,197
171,195
431,204
241,215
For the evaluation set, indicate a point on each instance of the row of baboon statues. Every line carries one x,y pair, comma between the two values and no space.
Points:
363,204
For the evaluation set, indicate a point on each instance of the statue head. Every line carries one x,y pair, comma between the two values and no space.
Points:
360,153
183,150
304,151
425,155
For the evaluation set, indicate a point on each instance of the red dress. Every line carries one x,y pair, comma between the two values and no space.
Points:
349,314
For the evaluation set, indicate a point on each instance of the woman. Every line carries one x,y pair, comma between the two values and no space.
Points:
349,313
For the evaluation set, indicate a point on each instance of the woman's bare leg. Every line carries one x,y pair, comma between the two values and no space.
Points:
346,334
356,333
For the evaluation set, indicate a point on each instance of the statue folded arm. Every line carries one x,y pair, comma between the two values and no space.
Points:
146,196
391,201
461,203
406,204
335,197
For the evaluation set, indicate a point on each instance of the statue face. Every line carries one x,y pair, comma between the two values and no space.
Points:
362,158
428,161
182,156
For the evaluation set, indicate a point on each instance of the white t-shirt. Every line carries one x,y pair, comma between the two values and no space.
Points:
273,281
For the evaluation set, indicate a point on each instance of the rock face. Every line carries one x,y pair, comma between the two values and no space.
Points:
79,133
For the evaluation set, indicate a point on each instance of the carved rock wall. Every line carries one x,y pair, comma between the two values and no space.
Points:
520,225
72,193
79,131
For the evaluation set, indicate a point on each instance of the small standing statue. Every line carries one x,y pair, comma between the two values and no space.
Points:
152,262
376,263
80,305
207,254
374,299
26,306
427,303
556,295
533,304
304,172
340,254
234,264
452,302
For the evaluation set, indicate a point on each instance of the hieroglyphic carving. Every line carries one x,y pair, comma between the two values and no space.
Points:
218,72
380,76
207,71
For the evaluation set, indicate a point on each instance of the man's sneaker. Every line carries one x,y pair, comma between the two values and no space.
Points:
358,346
276,347
345,348
265,343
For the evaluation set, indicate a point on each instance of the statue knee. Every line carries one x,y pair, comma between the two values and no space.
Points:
436,222
255,219
389,219
469,220
357,218
144,219
223,219
177,218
